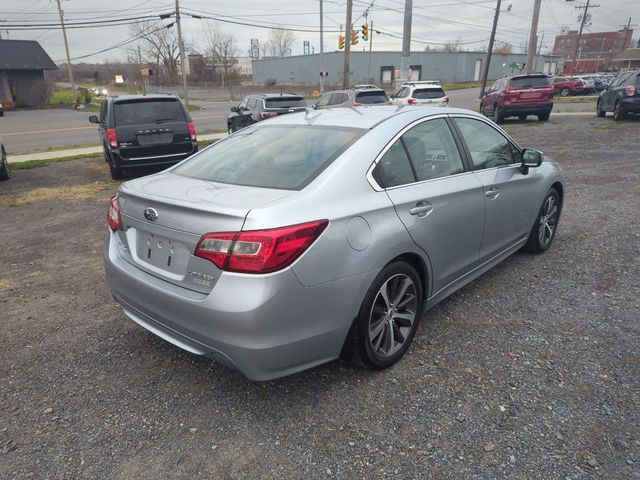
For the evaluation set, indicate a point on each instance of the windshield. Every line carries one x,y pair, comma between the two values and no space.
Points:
271,156
372,96
133,112
427,93
528,82
284,102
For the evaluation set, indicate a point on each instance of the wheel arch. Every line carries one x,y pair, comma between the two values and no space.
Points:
419,264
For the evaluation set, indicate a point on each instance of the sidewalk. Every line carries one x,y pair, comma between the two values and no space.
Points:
79,152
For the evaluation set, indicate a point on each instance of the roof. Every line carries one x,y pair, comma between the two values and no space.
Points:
24,55
273,95
360,117
126,98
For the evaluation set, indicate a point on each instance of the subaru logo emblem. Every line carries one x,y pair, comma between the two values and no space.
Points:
151,214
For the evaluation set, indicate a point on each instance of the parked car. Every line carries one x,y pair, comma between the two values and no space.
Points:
365,86
307,236
261,106
598,81
352,98
590,84
566,86
1,110
622,95
5,171
421,93
144,130
519,96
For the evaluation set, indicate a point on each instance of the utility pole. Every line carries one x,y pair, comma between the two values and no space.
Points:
322,49
584,20
66,48
347,45
485,71
183,67
369,79
533,36
143,82
406,41
626,34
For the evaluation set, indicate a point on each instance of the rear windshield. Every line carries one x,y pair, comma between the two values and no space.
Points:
527,82
284,102
133,112
427,93
271,156
369,97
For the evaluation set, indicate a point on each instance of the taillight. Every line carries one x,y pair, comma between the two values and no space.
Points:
445,99
631,90
192,131
259,251
265,115
411,101
113,215
112,138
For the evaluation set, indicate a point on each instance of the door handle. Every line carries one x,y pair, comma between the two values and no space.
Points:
422,209
492,193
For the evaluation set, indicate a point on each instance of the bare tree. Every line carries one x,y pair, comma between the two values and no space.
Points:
158,46
452,46
524,46
279,43
221,49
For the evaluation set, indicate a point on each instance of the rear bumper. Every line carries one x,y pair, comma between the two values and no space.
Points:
529,109
150,160
265,326
631,104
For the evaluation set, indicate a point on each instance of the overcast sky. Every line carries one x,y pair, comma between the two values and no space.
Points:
434,21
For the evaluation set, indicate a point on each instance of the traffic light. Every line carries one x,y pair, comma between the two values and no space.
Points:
341,42
354,37
365,32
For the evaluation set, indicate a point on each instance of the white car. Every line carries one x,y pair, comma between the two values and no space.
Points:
591,84
424,93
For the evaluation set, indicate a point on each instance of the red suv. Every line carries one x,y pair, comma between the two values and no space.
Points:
566,86
519,96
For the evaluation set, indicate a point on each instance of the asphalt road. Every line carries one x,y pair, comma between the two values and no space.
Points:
28,131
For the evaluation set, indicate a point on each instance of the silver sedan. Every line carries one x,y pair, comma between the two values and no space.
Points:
324,233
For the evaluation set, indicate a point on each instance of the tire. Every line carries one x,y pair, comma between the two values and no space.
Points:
5,170
543,117
565,92
599,112
380,347
230,129
482,112
116,172
618,113
497,113
522,118
540,240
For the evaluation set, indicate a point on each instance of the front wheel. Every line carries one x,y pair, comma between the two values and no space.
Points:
388,317
543,117
565,92
229,129
544,229
5,170
522,118
618,113
599,111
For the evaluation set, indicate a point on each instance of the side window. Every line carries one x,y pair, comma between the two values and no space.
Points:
516,153
494,87
394,168
432,150
488,147
324,100
252,103
243,103
402,93
619,80
638,80
338,98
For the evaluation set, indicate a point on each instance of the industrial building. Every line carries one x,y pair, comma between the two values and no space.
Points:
383,68
596,51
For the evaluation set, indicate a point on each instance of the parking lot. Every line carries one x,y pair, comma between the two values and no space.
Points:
531,371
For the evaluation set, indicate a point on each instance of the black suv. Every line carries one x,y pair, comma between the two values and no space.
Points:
621,96
261,106
144,130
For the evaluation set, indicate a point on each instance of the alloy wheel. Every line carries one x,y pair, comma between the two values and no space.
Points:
392,315
548,221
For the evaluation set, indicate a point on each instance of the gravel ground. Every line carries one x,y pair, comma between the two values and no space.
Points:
529,372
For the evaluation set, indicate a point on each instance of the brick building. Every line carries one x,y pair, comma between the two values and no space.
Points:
596,51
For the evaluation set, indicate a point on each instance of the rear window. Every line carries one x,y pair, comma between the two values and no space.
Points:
271,156
284,102
372,96
427,93
528,82
133,112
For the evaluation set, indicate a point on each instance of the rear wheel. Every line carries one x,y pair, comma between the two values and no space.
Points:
522,118
565,92
5,170
599,111
388,317
543,117
498,114
618,113
116,172
482,112
544,229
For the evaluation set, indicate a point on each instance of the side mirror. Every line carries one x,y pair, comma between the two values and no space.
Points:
487,91
94,119
235,109
531,158
314,105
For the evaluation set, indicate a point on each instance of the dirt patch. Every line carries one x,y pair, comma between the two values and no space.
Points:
43,194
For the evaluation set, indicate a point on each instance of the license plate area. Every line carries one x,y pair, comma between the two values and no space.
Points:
162,253
530,95
155,138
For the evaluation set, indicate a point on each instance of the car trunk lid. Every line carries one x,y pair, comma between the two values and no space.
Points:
529,89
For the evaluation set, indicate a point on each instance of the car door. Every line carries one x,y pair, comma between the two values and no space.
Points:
611,94
511,197
102,126
490,98
242,120
438,200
